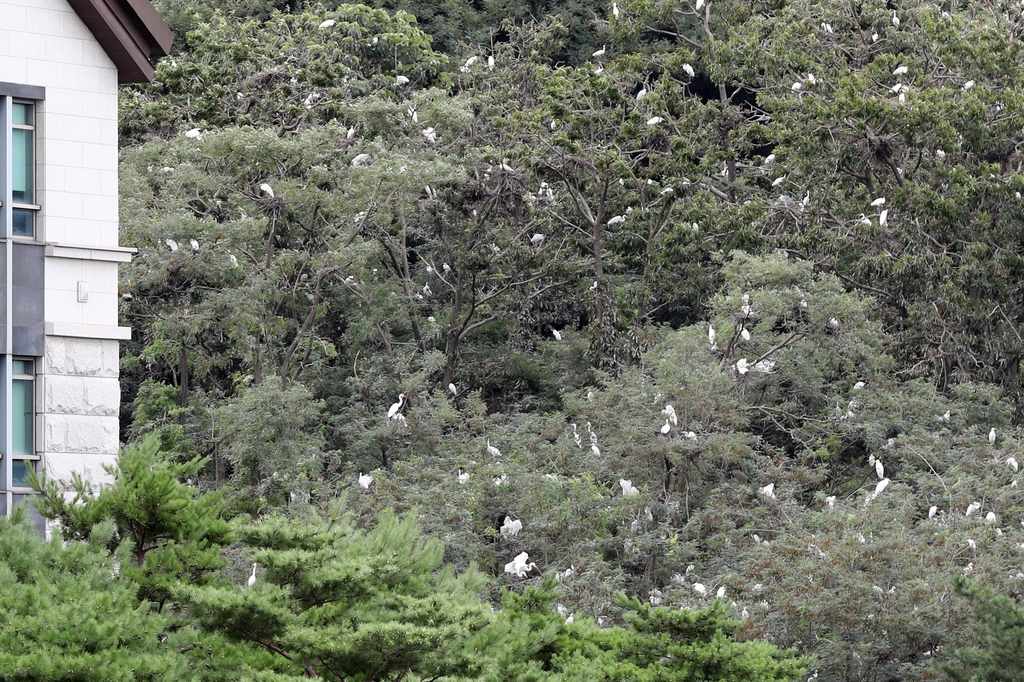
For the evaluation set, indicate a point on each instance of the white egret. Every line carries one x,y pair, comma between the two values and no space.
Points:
742,366
711,335
744,334
721,592
452,389
690,435
519,566
689,70
797,87
833,323
194,134
745,614
469,62
666,428
430,135
768,159
171,244
395,407
596,451
778,181
351,133
699,5
500,480
640,95
879,468
360,160
900,70
879,487
628,490
555,333
401,80
324,25
537,239
878,202
505,167
599,53
615,220
992,436
859,385
615,10
447,268
252,578
365,481
1012,462
883,218
830,501
654,120
511,528
570,620
767,492
990,517
194,244
670,413
895,19
463,477
940,154
972,507
933,511
491,450
267,189
700,589
490,62
968,85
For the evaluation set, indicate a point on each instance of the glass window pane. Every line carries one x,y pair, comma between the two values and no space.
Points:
22,114
23,166
24,222
22,366
19,479
22,416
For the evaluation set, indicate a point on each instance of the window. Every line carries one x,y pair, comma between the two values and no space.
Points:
23,418
23,137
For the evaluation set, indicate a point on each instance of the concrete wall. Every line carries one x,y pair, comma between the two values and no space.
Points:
44,43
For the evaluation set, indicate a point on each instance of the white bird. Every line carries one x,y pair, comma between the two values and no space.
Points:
666,428
628,490
615,220
615,10
690,435
744,334
463,477
267,189
880,486
596,451
500,480
361,160
699,5
778,181
933,511
570,620
721,592
252,578
654,120
490,61
878,202
768,159
859,385
537,239
555,333
600,52
351,133
393,410
700,589
194,244
469,62
401,80
742,366
833,323
900,70
171,244
895,19
452,389
972,507
797,87
992,436
640,95
1012,461
830,501
896,88
365,481
767,492
234,261
324,25
968,85
194,134
990,517
879,468
711,335
670,413
689,70
447,268
511,528
430,135
939,153
518,566
491,450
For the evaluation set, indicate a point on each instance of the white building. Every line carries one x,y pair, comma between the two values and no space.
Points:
60,65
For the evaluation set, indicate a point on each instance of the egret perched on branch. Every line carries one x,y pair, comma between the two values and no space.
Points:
666,428
171,244
194,134
640,95
365,481
711,335
615,220
327,24
360,160
452,389
628,490
878,202
689,70
895,19
401,80
267,189
744,334
463,477
654,120
742,366
879,468
700,589
767,492
491,450
537,239
555,333
615,10
972,507
900,70
393,410
670,412
1012,461
992,436
599,53
933,511
519,566
721,592
883,218
859,385
252,578
194,244
511,528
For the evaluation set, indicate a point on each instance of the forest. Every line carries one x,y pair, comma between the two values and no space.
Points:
670,340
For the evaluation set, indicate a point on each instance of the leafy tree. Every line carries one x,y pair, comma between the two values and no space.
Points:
999,657
67,611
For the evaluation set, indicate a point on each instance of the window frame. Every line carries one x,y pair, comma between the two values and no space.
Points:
32,208
32,457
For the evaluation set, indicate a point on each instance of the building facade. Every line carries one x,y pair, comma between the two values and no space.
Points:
61,62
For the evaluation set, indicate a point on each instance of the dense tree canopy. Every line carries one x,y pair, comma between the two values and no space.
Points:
732,306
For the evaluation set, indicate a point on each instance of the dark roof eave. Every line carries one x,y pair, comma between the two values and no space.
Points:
131,32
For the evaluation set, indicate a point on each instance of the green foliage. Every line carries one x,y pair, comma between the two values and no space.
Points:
174,533
67,611
999,657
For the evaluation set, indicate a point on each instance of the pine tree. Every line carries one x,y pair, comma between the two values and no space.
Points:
999,656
